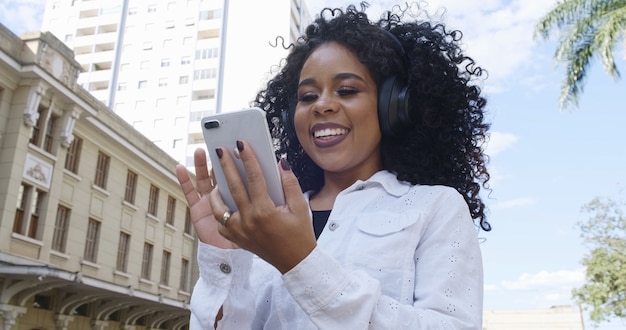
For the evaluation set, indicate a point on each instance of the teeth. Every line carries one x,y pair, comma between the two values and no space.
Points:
330,132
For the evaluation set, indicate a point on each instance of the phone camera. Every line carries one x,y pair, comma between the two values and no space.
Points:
212,124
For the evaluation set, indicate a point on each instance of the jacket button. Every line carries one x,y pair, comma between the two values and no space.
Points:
225,268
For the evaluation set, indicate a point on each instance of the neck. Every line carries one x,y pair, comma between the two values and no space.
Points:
334,183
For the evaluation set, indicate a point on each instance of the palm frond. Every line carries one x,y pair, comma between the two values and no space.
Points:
577,64
562,15
586,27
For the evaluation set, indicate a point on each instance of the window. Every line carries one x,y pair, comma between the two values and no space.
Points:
49,136
140,105
122,86
205,74
146,261
142,84
102,170
59,236
203,54
165,62
183,80
171,210
152,8
198,115
165,268
147,45
187,221
210,14
168,43
22,205
163,82
131,187
29,206
144,65
43,131
36,209
153,201
184,275
185,60
91,241
122,252
72,157
34,136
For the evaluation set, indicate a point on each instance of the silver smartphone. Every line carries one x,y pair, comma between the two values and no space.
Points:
223,130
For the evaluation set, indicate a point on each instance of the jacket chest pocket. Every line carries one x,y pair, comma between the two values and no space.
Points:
384,241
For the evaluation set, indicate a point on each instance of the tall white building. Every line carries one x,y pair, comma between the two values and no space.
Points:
162,65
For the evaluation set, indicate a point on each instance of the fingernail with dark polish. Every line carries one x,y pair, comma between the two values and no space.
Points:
219,152
285,164
239,146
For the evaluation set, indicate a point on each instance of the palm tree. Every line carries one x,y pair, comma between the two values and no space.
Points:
586,27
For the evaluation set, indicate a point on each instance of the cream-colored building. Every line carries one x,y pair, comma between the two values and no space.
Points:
94,230
554,318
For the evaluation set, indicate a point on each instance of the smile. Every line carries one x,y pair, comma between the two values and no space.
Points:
330,132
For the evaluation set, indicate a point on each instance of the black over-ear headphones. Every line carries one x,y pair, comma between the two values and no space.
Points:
394,115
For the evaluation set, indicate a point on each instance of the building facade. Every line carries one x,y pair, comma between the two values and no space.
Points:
163,65
554,318
94,230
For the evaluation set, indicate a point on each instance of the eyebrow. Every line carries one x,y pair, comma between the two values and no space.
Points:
339,76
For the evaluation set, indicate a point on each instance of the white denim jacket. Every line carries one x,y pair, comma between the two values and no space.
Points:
392,256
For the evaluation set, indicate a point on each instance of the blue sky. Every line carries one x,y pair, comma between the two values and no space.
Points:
546,163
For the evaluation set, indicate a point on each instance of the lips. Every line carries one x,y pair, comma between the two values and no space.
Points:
326,135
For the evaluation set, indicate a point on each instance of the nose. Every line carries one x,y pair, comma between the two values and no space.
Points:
325,103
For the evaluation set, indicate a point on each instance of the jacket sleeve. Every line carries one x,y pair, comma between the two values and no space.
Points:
448,288
224,282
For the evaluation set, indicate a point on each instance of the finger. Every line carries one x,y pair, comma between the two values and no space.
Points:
291,188
257,188
191,195
233,179
203,179
220,209
212,176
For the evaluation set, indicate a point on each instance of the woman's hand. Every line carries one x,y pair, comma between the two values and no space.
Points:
281,235
198,201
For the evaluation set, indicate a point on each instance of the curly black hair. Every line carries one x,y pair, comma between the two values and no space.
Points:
444,146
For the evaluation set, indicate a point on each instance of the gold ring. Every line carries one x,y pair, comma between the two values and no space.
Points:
225,218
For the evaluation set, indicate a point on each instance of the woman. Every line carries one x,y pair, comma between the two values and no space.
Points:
382,129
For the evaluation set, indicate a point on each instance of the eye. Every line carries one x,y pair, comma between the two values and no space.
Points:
346,91
307,97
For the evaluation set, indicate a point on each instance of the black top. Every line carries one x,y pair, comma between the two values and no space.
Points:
319,221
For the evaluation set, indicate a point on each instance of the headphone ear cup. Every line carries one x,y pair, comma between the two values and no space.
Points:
393,107
288,124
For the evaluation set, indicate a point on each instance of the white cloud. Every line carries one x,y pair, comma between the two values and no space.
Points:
545,279
541,289
499,142
497,34
22,16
